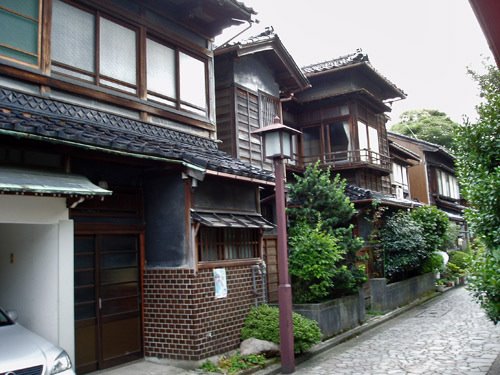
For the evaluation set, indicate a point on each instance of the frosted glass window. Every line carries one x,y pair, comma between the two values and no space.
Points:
396,173
363,141
73,32
192,80
374,146
19,30
118,52
160,62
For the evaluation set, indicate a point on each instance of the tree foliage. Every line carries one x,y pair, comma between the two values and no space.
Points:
428,125
434,224
313,262
323,260
316,194
403,243
478,162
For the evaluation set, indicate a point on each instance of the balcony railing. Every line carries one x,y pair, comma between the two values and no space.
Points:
349,159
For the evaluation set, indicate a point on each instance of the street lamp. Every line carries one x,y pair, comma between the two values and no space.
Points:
277,140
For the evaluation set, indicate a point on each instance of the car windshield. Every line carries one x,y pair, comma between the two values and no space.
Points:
4,319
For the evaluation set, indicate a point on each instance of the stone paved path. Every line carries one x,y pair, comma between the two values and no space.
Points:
449,335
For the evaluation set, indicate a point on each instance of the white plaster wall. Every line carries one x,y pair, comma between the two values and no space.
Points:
32,210
36,266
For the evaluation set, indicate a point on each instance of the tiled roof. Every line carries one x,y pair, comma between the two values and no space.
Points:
358,57
338,62
24,114
426,146
290,77
356,193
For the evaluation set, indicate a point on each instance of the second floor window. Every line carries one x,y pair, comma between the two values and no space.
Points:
447,185
92,47
368,143
19,30
400,180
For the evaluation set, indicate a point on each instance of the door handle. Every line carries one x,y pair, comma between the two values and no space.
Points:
100,303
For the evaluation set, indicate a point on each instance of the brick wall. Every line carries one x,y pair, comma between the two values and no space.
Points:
182,318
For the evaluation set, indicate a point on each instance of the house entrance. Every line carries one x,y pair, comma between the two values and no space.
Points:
107,299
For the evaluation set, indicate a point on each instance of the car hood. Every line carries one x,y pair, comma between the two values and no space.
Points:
20,348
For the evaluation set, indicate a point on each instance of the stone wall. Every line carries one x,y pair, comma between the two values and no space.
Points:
386,297
337,315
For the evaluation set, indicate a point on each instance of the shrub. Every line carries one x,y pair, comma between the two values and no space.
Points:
434,263
402,241
323,260
452,270
313,255
461,259
435,227
484,282
316,192
263,323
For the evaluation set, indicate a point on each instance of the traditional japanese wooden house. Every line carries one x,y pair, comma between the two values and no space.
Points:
433,181
116,203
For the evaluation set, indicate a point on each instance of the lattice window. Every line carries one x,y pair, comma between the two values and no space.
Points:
215,244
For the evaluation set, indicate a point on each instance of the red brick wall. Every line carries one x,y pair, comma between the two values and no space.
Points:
182,318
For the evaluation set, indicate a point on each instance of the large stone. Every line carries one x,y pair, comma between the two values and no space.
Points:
256,346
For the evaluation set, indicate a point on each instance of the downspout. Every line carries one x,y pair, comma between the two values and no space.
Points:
250,22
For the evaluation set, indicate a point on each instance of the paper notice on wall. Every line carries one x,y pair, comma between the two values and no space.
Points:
220,282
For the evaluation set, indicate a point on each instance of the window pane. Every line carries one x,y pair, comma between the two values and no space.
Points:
363,141
19,30
404,172
396,173
192,80
374,146
118,54
311,140
160,68
339,140
73,32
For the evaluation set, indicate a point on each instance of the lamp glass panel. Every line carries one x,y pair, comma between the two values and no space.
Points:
272,144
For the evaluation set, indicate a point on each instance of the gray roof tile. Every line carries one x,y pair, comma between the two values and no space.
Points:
59,122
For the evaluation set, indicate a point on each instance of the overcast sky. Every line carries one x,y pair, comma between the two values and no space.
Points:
423,46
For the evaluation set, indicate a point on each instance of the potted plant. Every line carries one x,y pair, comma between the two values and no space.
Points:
440,285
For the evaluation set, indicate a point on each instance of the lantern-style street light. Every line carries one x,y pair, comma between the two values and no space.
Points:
277,140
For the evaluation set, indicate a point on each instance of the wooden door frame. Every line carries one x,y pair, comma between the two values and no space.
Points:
82,229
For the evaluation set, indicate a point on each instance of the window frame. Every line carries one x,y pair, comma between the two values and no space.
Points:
142,34
40,27
219,245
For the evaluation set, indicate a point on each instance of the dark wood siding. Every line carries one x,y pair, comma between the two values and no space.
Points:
247,115
225,120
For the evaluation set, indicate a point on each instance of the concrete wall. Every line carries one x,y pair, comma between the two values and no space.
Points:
36,266
335,316
386,297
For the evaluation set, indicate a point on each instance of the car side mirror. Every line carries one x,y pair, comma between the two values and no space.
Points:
12,314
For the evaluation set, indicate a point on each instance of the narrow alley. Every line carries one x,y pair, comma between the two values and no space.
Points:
447,335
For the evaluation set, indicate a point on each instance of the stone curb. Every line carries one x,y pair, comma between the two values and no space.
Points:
336,340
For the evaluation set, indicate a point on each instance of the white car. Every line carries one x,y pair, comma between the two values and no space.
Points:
22,352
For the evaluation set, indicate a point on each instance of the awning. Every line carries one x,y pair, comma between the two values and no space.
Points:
454,217
230,220
35,182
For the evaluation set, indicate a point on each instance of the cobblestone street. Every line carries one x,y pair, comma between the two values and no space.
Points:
447,335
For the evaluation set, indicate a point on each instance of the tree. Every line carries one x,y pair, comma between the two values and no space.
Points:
428,125
402,240
478,163
323,260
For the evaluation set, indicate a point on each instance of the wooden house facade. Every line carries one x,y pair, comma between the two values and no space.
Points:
115,198
433,180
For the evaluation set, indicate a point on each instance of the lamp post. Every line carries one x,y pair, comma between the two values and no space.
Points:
278,146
